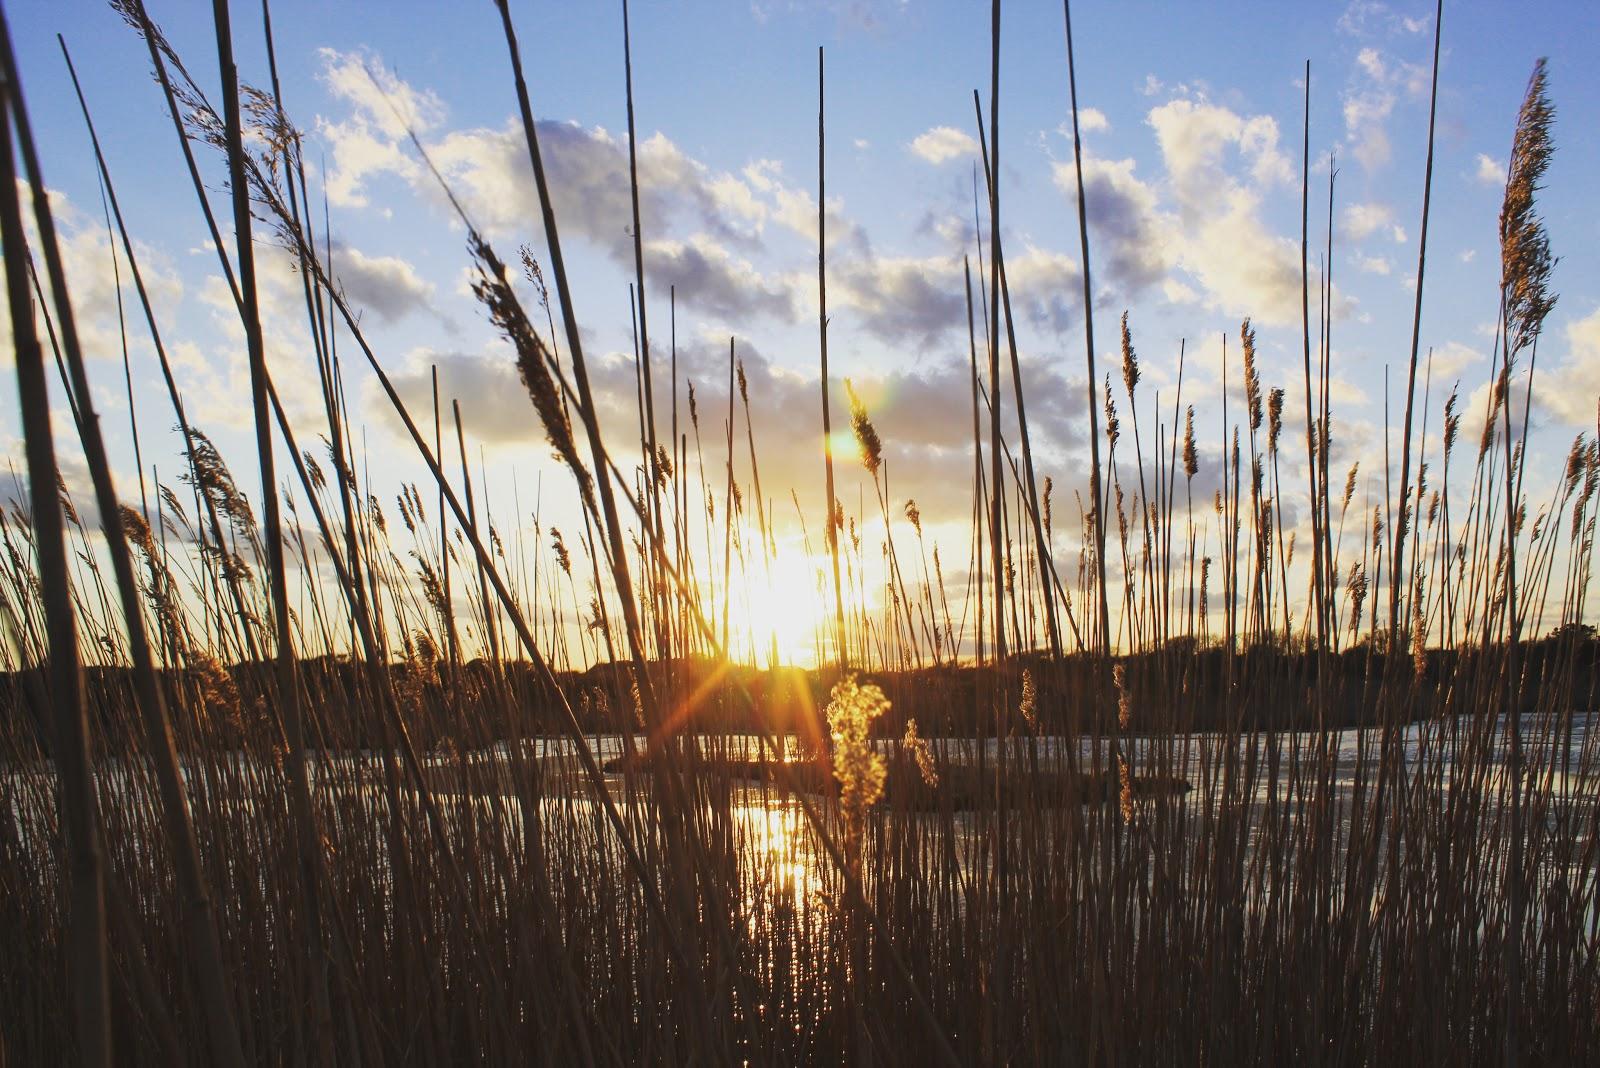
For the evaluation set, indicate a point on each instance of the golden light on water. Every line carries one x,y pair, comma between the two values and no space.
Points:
776,833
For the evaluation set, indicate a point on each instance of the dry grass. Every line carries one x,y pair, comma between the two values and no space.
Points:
1387,849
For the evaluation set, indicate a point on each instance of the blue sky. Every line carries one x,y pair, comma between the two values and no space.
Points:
1192,142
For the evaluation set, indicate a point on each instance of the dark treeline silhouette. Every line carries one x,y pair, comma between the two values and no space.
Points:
1179,688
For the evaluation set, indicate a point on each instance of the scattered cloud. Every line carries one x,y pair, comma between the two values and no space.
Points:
1490,171
1046,290
1195,135
86,254
1092,120
1571,390
701,224
943,144
1133,238
714,281
1454,359
387,286
1367,18
899,299
495,408
1361,221
1220,167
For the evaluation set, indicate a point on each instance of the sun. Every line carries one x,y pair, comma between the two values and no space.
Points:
783,609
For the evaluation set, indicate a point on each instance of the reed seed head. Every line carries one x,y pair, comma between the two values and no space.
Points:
922,753
852,706
1130,361
1525,259
1191,458
1113,426
1252,376
1029,705
867,439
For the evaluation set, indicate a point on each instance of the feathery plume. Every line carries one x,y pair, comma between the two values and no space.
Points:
1274,417
1029,705
867,439
1356,586
1525,260
1130,361
1049,490
1452,423
559,546
1119,676
852,706
922,753
1125,793
1191,458
1252,376
533,360
1113,426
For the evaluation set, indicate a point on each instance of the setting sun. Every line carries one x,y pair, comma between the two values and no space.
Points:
783,609
773,534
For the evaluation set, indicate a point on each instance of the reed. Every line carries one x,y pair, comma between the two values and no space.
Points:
291,791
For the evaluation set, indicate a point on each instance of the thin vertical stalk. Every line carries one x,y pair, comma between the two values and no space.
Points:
200,925
1402,519
997,476
1040,548
86,915
1088,348
977,465
651,463
1305,321
831,526
307,841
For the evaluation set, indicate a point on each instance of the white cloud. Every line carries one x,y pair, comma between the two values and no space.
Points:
1133,240
699,224
1571,390
1363,119
1454,358
944,143
385,285
1046,289
712,280
1361,221
1365,18
900,298
1091,120
1371,61
1490,170
86,254
1220,237
1376,83
1195,134
1367,106
1374,264
370,139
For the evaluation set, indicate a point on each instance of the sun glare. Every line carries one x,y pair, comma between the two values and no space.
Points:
784,610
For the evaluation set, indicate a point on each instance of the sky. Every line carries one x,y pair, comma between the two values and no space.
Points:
1191,119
